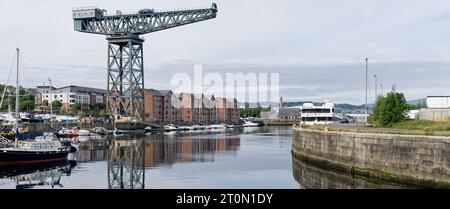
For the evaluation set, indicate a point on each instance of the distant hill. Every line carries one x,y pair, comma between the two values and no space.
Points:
293,104
350,106
417,101
343,106
346,106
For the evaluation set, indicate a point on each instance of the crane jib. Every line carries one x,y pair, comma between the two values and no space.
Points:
94,20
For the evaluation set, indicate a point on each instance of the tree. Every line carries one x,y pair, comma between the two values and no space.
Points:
77,106
56,105
26,102
80,115
389,109
101,106
70,112
102,113
62,110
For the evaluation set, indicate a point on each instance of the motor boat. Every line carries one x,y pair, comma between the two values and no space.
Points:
83,132
99,130
184,128
83,138
66,133
250,124
150,129
170,127
50,136
217,126
231,126
199,127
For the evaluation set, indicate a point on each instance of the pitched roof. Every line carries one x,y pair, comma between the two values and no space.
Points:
158,92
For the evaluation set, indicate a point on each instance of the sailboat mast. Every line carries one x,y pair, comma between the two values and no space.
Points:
17,98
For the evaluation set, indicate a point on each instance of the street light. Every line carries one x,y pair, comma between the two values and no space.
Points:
381,89
376,87
51,103
365,108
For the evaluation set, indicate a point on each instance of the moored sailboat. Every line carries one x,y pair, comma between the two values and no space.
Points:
26,152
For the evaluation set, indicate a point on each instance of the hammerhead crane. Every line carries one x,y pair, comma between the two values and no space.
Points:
125,82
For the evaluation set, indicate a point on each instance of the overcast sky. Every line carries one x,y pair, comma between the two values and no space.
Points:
317,46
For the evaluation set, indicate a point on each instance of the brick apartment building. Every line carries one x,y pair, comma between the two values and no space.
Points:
164,106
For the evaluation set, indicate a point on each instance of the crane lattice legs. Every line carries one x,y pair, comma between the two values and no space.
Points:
125,76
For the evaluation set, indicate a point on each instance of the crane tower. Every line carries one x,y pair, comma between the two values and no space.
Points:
125,82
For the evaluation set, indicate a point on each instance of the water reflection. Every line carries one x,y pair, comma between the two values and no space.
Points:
183,148
126,168
36,176
310,177
164,149
162,160
94,149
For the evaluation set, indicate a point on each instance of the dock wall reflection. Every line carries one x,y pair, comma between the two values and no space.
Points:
310,177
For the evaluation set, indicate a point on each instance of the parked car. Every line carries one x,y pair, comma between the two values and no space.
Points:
344,121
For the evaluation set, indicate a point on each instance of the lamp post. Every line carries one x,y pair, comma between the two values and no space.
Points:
381,89
51,103
365,108
376,87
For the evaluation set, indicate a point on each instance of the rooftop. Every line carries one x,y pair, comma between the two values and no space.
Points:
76,88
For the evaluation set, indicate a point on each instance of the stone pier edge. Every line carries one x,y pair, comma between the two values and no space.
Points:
368,173
372,174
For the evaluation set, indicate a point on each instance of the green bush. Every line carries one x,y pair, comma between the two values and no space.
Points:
389,109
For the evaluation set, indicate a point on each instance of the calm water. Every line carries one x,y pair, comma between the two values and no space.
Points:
248,158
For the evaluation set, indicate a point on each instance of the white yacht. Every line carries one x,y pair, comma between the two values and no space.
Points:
217,126
170,127
250,124
186,128
83,132
199,127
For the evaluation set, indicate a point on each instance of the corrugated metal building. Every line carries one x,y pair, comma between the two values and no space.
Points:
438,102
438,109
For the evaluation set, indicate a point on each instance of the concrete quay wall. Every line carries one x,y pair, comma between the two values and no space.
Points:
409,159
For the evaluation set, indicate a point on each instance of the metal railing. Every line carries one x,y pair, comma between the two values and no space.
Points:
84,8
4,142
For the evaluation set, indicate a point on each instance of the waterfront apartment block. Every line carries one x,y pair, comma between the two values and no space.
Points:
68,96
227,110
165,106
